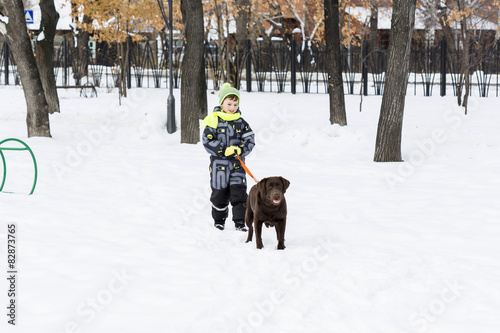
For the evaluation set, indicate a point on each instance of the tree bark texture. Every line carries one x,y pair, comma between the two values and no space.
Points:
464,81
83,53
124,58
193,84
334,63
388,144
44,50
373,38
16,34
243,7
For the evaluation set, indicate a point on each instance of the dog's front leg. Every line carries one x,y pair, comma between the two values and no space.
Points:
258,234
280,233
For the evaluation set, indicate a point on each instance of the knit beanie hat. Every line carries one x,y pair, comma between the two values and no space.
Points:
226,91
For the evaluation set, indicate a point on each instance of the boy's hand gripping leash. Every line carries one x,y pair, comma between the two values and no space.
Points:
246,169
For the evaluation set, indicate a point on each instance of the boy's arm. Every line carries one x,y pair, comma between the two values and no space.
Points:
248,139
213,146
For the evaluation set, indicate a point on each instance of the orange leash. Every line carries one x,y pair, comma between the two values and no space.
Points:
246,169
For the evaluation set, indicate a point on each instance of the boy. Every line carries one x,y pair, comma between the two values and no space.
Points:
227,134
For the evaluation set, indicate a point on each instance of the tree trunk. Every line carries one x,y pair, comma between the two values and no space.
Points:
44,50
83,52
465,64
80,48
220,46
37,119
124,54
241,38
373,40
334,63
193,84
388,145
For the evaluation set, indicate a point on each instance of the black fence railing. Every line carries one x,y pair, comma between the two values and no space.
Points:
271,66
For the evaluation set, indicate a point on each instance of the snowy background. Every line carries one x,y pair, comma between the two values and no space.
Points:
118,235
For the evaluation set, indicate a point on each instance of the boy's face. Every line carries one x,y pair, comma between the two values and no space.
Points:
230,105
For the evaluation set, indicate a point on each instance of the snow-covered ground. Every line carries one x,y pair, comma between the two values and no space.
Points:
118,236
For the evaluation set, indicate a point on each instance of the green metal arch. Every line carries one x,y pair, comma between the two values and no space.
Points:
25,147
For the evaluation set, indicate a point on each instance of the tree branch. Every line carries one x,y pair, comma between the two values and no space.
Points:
302,24
316,26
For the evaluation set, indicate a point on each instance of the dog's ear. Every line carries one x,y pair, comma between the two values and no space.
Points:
261,185
286,183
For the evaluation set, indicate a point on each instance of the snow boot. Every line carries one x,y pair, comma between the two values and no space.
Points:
219,224
240,226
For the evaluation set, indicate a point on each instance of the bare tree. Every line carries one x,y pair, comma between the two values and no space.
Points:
460,19
193,84
115,21
390,126
44,50
81,47
334,63
430,11
15,32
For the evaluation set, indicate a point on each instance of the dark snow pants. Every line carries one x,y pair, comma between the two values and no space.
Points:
228,182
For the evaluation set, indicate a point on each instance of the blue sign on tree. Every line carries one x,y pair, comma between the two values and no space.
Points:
28,14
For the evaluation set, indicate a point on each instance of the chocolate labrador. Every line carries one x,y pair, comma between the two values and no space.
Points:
266,204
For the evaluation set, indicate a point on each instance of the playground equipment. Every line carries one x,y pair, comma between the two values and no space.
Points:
25,147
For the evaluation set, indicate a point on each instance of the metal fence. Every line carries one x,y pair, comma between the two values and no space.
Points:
272,66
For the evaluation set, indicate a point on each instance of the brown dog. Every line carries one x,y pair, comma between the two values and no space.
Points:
266,204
